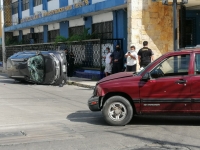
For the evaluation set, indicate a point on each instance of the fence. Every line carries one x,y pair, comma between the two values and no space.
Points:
88,53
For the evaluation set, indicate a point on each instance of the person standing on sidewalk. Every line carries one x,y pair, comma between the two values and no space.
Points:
70,70
117,59
108,67
131,62
145,55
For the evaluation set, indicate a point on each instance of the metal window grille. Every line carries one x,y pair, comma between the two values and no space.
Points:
25,4
37,2
103,30
76,30
52,35
15,8
25,39
39,38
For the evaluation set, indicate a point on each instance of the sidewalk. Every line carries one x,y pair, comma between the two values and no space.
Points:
82,82
1,69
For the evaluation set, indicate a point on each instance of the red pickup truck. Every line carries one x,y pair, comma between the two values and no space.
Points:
169,85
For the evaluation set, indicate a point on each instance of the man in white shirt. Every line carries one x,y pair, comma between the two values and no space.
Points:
108,67
131,60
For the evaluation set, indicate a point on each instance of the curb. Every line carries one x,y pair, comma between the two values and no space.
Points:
80,84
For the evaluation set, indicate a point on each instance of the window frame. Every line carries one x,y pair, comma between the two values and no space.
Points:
104,34
15,8
37,3
173,66
25,5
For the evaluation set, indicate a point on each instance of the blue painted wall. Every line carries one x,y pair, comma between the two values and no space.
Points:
67,14
64,26
45,5
20,9
31,7
45,33
120,27
63,3
31,31
88,23
195,14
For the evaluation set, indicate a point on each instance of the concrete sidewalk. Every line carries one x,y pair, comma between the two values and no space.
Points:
82,82
1,69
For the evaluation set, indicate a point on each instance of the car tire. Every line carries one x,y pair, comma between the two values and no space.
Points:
117,111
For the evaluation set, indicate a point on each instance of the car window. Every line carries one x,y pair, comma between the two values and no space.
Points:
197,64
172,66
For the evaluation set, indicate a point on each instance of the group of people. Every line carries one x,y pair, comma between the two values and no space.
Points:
115,60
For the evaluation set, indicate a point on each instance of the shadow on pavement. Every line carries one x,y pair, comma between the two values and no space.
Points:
96,118
166,120
87,116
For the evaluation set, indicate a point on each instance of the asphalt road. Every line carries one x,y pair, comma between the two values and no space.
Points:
38,117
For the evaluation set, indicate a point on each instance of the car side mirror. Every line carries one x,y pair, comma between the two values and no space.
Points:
147,76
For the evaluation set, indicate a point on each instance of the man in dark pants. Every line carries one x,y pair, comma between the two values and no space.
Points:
145,55
117,59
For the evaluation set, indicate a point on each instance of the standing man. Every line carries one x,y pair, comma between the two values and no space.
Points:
117,59
108,67
145,55
131,57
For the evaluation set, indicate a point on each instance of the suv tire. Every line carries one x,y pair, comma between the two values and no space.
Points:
117,111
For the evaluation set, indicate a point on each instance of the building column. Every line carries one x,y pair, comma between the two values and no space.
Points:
88,23
31,31
63,3
45,5
90,2
20,35
150,21
31,7
64,26
45,34
20,9
120,27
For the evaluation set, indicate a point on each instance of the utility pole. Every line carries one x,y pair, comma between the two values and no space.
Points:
3,35
175,26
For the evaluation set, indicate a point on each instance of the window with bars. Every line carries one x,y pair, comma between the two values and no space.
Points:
37,2
76,30
39,38
25,39
14,8
52,35
103,30
25,5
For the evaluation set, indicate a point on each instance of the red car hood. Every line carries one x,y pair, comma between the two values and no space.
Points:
116,76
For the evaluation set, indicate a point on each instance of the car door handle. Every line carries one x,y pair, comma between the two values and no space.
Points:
181,81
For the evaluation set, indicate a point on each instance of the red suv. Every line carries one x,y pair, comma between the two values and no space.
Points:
169,85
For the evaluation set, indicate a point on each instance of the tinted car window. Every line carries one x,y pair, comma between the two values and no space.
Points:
172,66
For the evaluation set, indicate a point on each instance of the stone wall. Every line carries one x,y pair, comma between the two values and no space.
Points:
150,21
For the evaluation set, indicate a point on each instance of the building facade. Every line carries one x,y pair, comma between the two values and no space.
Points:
50,18
131,20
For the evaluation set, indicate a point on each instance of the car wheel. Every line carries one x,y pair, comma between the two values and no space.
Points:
117,111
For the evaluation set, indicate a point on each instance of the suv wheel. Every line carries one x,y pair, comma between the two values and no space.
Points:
117,111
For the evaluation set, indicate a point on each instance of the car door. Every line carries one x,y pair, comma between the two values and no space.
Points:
195,85
168,89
